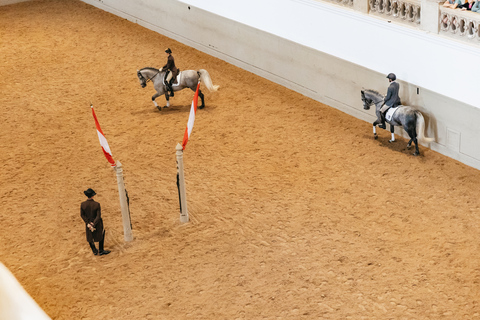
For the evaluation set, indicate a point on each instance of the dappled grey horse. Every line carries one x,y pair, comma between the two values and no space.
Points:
185,79
409,118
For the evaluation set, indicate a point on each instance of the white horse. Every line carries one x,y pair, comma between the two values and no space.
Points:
185,79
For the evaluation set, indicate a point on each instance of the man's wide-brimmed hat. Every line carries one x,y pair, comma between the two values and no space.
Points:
168,50
89,192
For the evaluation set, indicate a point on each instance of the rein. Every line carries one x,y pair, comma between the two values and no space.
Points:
375,103
149,79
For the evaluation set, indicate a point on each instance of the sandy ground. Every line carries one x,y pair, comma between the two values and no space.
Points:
296,212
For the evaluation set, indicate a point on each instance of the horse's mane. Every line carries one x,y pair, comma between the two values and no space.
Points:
149,68
373,91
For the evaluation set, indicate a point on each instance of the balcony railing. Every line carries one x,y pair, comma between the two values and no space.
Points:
400,10
462,25
428,15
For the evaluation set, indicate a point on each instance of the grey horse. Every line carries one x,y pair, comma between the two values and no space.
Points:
185,79
409,118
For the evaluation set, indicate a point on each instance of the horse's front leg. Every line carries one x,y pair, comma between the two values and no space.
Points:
375,129
392,131
155,96
167,97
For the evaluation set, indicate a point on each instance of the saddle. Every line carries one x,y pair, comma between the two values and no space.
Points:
390,113
175,81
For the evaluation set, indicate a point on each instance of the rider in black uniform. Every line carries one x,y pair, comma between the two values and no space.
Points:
172,71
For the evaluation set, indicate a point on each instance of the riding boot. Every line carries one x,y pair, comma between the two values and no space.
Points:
170,88
382,125
94,249
100,246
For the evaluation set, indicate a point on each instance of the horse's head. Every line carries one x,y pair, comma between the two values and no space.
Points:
366,102
143,81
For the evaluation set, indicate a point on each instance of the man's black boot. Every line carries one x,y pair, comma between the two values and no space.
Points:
94,249
100,246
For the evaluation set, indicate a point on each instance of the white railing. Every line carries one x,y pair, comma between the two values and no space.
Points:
455,23
401,10
462,25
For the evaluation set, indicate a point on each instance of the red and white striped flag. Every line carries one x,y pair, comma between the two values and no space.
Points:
191,118
103,141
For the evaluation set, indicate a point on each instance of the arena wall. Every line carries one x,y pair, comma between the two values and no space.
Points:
331,61
6,2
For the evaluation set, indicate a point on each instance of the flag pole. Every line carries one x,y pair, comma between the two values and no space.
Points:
122,192
182,194
181,185
117,167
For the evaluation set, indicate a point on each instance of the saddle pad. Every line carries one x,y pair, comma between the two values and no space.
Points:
390,113
177,83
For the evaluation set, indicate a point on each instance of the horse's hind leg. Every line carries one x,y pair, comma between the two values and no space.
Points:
200,94
409,144
417,152
413,137
392,131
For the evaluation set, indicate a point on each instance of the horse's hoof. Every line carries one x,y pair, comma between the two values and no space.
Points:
375,137
416,154
201,107
391,141
409,146
165,106
159,108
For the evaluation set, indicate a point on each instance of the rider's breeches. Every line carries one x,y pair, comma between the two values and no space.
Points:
169,77
384,108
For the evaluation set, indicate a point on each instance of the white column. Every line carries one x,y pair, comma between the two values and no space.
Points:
127,225
181,185
430,11
361,5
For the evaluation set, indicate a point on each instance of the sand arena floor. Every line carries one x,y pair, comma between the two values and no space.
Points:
296,212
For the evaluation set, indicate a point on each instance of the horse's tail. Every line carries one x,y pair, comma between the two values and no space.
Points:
205,78
421,128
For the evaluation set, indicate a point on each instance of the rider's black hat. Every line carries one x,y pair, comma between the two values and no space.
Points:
392,76
168,50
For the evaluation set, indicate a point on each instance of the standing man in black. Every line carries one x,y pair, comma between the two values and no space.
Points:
91,214
391,99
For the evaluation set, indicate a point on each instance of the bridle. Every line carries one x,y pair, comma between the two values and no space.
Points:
371,101
140,75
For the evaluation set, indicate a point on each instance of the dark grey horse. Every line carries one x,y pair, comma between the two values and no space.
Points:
409,118
185,79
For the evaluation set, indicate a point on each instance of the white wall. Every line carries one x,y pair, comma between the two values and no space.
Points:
415,56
